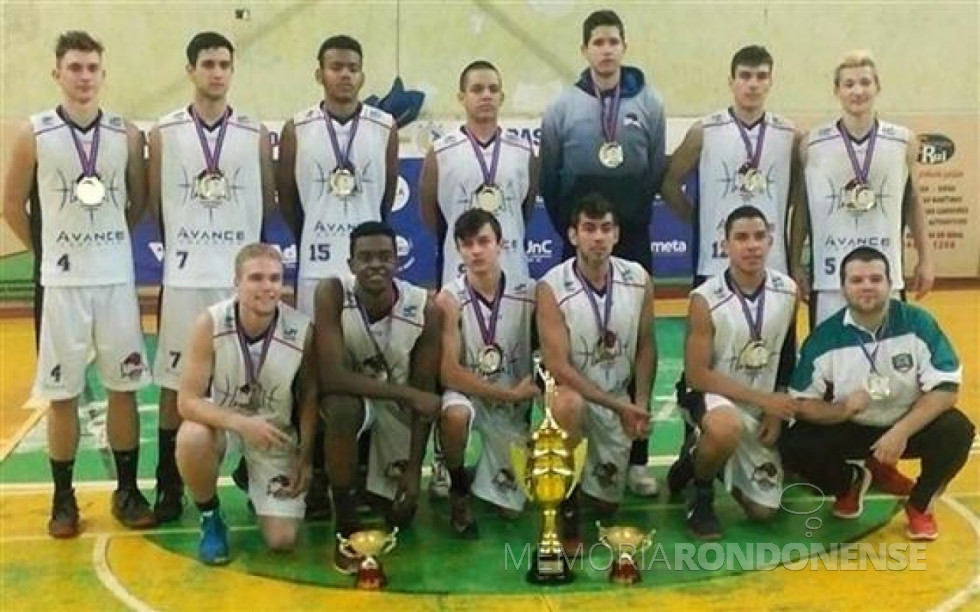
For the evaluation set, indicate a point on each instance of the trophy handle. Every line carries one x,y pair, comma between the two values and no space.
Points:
580,454
648,540
518,461
390,541
345,548
602,530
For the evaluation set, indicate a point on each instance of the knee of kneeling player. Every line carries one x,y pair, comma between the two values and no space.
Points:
281,538
454,419
722,428
342,412
756,512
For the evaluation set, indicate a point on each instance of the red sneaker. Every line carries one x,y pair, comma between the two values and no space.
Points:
887,478
922,525
850,504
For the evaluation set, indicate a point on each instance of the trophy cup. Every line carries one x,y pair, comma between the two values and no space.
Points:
624,543
548,473
366,545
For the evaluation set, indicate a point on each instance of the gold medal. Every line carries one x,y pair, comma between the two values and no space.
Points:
859,198
490,360
611,154
877,386
489,198
607,347
754,355
342,182
90,191
750,180
211,187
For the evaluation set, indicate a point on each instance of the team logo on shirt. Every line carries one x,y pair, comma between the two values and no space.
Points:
607,474
277,486
631,120
903,362
289,333
132,366
765,476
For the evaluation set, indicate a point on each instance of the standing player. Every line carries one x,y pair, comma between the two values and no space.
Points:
338,167
250,377
378,345
860,191
82,169
211,177
486,369
480,166
606,134
737,322
595,313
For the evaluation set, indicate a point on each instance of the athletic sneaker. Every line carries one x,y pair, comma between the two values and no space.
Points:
461,517
439,485
681,471
169,504
887,478
922,525
132,510
318,499
64,516
702,521
212,549
641,482
850,503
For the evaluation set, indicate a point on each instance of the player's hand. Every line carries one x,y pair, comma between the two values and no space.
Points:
890,447
802,278
769,429
925,276
856,402
299,480
261,434
636,422
406,499
780,405
426,405
525,390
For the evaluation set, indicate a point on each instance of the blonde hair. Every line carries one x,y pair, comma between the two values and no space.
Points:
254,251
856,59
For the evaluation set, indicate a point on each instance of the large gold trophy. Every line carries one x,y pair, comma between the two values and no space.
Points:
548,473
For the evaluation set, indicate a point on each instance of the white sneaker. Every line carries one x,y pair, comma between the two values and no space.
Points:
439,485
641,482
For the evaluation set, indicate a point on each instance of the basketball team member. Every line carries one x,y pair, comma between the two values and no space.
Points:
878,379
594,316
860,191
378,345
479,166
211,177
82,169
737,322
486,369
338,167
744,156
250,376
606,134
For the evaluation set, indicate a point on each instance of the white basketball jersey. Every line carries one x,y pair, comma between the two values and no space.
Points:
394,334
82,245
329,218
723,152
230,379
460,176
513,332
836,231
201,236
584,334
732,332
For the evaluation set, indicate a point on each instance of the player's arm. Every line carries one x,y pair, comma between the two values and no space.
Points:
534,183
454,375
681,162
306,398
391,172
556,352
429,194
136,179
646,350
18,181
925,272
424,376
286,179
656,143
551,165
154,173
268,174
799,216
701,376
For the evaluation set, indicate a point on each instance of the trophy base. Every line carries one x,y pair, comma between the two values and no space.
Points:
624,573
549,570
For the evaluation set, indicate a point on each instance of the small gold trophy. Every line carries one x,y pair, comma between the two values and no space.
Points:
548,473
625,543
367,545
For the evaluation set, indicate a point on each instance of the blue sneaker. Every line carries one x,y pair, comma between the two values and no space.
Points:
213,547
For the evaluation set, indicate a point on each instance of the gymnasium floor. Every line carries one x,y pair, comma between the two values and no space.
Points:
109,568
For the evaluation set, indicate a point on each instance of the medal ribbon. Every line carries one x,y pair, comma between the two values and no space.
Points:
488,331
601,320
343,157
608,114
88,161
251,368
211,158
489,174
752,155
367,328
755,325
860,170
871,356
